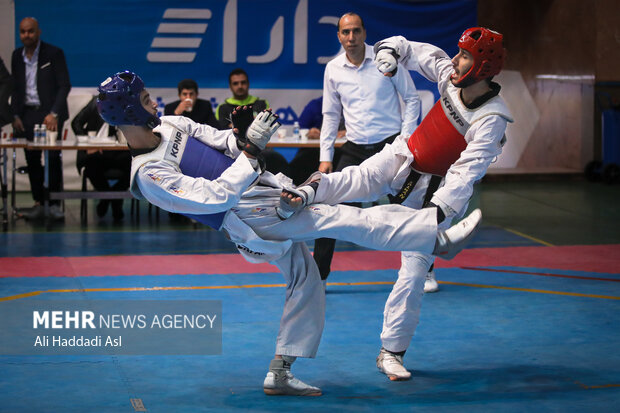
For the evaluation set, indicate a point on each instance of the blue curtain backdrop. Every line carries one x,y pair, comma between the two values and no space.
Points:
279,42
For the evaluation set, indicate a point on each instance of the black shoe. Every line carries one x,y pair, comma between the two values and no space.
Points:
25,210
117,211
36,212
102,208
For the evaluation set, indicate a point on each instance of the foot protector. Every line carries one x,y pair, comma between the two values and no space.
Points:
288,208
451,241
392,366
430,284
281,382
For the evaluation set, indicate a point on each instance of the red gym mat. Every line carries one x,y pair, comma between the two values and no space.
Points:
589,258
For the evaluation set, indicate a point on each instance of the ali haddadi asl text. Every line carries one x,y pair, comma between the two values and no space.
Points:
78,341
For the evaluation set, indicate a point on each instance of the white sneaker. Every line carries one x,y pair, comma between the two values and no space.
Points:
430,285
281,382
451,241
392,366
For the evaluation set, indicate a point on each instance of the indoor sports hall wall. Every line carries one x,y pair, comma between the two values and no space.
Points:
566,52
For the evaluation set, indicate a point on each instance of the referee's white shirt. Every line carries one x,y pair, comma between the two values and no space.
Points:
369,102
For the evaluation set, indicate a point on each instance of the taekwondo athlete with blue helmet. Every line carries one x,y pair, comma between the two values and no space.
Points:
216,178
436,166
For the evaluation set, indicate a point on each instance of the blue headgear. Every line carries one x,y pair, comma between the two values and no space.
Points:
119,101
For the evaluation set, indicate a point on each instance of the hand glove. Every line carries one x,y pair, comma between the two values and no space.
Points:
260,131
241,119
386,57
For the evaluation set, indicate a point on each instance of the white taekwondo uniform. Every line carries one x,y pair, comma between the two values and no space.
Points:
246,202
453,142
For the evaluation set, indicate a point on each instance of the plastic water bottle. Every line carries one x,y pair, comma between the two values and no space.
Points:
37,133
296,135
43,132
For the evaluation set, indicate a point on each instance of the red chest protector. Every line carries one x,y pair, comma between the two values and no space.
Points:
437,143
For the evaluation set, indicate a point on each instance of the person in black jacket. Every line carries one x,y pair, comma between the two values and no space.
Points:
39,97
6,85
188,105
106,170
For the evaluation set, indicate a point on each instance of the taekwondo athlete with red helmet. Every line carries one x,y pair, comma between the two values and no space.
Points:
216,178
436,166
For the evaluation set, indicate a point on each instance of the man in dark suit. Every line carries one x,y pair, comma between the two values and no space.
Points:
190,106
39,97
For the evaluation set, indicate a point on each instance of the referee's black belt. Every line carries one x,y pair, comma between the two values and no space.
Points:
33,107
375,147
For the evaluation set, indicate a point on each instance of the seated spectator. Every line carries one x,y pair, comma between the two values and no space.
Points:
198,110
188,105
239,84
306,160
106,170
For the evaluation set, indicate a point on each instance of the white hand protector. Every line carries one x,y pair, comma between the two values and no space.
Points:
385,62
386,56
262,128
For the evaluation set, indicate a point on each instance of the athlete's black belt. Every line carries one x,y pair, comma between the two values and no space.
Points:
410,182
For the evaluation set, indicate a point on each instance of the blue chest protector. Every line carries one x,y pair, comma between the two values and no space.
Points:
202,161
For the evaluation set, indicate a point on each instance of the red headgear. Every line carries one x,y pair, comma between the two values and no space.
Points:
487,49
